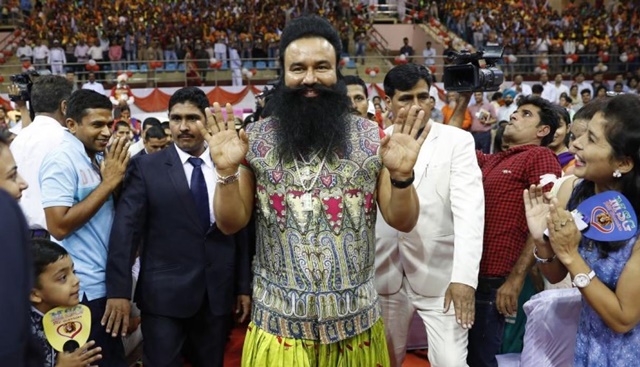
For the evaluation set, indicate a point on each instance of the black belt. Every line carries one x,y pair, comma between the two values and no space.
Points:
487,284
40,233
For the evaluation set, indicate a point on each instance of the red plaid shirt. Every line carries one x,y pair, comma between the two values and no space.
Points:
505,175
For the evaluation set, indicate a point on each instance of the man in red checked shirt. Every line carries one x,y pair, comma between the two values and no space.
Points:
507,254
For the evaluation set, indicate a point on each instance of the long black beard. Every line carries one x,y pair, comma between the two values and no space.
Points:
309,125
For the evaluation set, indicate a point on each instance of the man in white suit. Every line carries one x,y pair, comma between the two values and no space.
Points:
436,264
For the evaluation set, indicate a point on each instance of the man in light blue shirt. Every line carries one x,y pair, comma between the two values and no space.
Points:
77,181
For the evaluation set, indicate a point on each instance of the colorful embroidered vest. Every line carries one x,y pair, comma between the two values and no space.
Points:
314,264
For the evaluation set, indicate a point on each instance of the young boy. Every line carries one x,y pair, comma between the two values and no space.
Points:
56,285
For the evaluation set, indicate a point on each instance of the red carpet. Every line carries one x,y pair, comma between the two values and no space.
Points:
234,352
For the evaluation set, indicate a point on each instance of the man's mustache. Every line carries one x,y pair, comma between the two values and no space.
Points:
317,87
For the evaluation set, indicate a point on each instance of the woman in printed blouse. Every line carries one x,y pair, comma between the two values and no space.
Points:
606,273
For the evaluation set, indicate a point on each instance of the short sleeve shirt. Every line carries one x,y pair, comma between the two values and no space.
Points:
67,177
505,175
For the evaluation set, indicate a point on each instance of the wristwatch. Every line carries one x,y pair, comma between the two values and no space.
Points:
582,280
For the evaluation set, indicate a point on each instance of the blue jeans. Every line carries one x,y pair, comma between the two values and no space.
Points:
485,337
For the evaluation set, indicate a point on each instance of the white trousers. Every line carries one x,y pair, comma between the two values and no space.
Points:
57,69
236,77
447,340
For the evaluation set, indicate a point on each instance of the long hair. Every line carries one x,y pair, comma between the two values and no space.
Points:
622,131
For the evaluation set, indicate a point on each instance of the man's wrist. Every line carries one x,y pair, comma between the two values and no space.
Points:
110,184
227,171
517,275
402,181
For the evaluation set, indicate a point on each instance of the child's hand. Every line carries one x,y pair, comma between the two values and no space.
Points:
82,357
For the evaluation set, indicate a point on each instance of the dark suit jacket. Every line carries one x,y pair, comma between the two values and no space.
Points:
140,153
179,262
18,346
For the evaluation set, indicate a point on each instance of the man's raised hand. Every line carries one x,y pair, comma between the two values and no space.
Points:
226,146
115,163
400,150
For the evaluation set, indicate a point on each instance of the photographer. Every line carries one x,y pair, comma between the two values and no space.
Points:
48,100
507,255
19,95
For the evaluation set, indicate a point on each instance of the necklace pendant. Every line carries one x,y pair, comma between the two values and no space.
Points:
305,173
307,202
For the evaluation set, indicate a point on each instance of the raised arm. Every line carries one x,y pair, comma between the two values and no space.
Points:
233,198
65,219
459,114
397,196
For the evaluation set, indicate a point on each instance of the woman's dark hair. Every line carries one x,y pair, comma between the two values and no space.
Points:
564,118
622,131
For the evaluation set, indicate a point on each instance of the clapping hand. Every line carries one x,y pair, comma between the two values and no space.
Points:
227,147
536,206
115,163
399,151
563,232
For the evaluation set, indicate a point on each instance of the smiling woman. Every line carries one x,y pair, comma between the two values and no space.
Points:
607,159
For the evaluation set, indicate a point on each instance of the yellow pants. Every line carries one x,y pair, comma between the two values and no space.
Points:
262,349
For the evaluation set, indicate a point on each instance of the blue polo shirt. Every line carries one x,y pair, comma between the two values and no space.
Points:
66,178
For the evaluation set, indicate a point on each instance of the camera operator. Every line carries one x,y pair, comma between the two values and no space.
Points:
507,255
48,100
20,94
20,106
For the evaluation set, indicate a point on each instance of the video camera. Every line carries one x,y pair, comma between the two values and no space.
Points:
474,71
24,82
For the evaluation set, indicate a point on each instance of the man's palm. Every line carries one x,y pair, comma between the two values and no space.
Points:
400,152
228,149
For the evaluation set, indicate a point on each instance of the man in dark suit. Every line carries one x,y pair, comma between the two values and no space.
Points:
190,273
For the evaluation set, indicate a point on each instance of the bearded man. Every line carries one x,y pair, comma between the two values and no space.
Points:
311,174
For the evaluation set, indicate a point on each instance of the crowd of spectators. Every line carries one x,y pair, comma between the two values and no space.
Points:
581,37
119,34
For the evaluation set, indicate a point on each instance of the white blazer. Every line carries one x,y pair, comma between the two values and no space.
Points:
446,244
